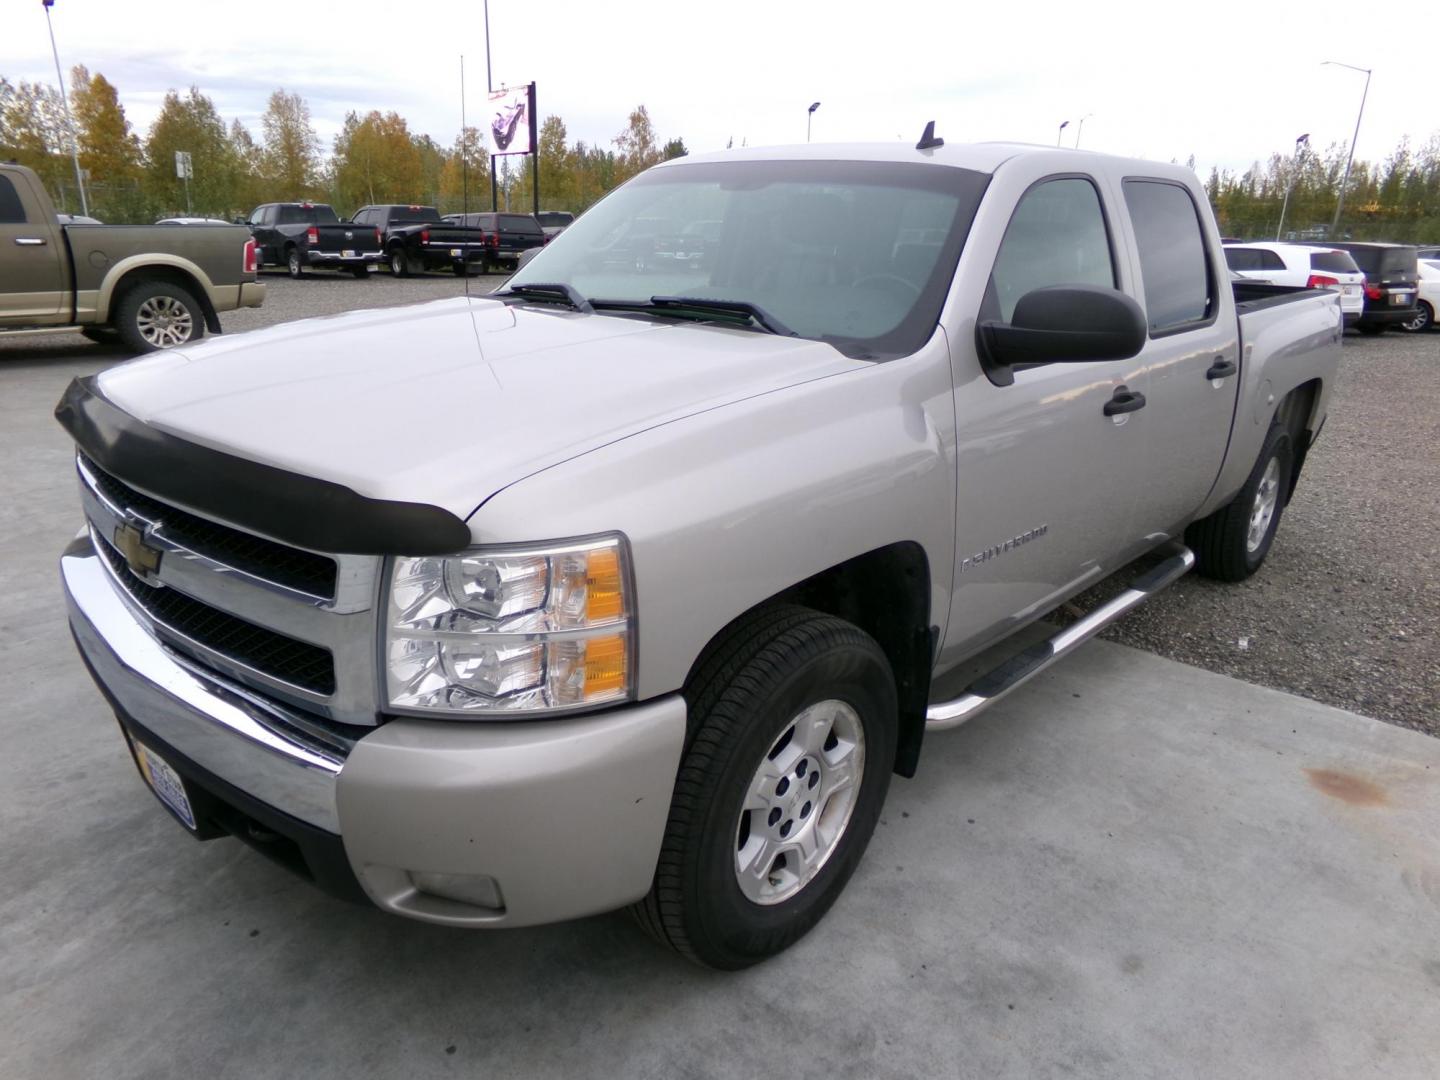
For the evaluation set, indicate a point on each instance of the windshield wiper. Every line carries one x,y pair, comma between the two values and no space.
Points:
679,305
549,292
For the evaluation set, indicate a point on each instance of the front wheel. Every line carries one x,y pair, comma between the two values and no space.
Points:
1424,319
794,729
1232,542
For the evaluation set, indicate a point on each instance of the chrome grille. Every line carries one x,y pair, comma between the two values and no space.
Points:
305,571
294,624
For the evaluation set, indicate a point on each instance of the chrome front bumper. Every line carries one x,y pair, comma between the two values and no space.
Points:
564,816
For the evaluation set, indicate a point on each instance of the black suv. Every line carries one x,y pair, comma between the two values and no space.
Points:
506,236
1392,284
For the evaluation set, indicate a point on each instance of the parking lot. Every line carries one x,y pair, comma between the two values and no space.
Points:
1130,867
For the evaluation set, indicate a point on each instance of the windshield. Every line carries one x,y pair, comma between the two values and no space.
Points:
856,253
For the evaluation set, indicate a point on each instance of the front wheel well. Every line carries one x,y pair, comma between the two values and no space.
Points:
886,593
143,275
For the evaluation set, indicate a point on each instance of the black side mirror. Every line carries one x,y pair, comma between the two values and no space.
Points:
1062,324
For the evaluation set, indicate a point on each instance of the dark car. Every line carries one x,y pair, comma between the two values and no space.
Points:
301,236
1392,283
417,239
507,236
554,222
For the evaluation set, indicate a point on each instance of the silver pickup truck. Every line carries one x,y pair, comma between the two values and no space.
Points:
630,585
148,286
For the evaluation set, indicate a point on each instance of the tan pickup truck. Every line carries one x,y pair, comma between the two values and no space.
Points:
149,286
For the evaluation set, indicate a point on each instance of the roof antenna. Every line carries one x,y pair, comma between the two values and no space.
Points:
929,140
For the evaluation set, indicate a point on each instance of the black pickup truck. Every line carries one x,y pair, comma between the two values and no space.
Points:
416,239
507,236
298,236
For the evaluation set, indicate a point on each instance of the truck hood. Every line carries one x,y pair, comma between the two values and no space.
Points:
448,402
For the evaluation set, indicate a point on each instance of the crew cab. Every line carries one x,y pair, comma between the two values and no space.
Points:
507,237
303,236
417,239
634,586
150,287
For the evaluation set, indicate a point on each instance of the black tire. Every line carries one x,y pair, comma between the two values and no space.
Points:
743,701
462,269
1371,329
399,263
1424,319
360,272
294,264
133,316
1221,542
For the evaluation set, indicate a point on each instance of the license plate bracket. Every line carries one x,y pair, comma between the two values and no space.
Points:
165,782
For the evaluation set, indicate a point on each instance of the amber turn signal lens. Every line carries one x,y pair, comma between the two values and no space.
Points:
604,665
604,599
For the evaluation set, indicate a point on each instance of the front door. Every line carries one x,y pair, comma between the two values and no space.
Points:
1045,479
32,281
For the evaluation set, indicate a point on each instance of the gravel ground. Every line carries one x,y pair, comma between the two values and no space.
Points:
1347,608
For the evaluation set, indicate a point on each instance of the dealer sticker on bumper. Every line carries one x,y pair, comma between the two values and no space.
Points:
165,782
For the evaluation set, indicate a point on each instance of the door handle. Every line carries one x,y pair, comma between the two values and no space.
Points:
1221,369
30,241
1124,400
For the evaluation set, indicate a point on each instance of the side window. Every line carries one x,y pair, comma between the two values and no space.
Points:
1057,236
262,215
12,211
1242,258
364,217
1173,264
1271,260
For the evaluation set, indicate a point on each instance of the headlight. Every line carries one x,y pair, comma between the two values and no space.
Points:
511,630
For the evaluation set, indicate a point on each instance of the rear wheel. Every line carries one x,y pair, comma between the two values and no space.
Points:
794,727
294,264
1424,319
399,264
156,315
1232,542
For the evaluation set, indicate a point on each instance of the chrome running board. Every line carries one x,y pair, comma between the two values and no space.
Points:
1020,668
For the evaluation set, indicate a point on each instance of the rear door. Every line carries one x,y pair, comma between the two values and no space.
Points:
1192,354
262,224
33,282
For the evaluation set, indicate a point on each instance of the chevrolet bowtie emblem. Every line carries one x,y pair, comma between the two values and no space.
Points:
143,560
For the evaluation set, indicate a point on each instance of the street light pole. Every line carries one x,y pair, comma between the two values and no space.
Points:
1300,145
1063,125
1080,128
1340,202
810,112
65,100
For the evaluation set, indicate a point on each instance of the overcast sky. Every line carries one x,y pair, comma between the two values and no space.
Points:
1228,82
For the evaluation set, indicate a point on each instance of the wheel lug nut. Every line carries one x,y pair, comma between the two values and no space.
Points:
800,769
783,786
774,816
785,829
814,778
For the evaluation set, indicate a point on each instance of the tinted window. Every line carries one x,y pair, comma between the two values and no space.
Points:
1172,254
261,215
1336,262
520,223
364,217
1242,258
1270,260
413,213
11,211
1057,236
551,218
307,215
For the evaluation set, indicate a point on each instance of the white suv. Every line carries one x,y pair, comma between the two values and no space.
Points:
1308,267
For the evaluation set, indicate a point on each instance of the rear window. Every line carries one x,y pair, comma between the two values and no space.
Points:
413,213
520,223
551,218
306,215
1336,262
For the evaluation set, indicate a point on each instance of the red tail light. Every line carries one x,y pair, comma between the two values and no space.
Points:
377,238
312,235
424,236
492,239
1373,292
252,262
1320,281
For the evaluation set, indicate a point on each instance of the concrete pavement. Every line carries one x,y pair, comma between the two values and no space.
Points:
1130,868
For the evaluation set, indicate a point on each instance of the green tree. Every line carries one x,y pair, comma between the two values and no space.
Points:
636,145
252,187
290,160
673,149
191,123
375,161
466,173
33,133
109,150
